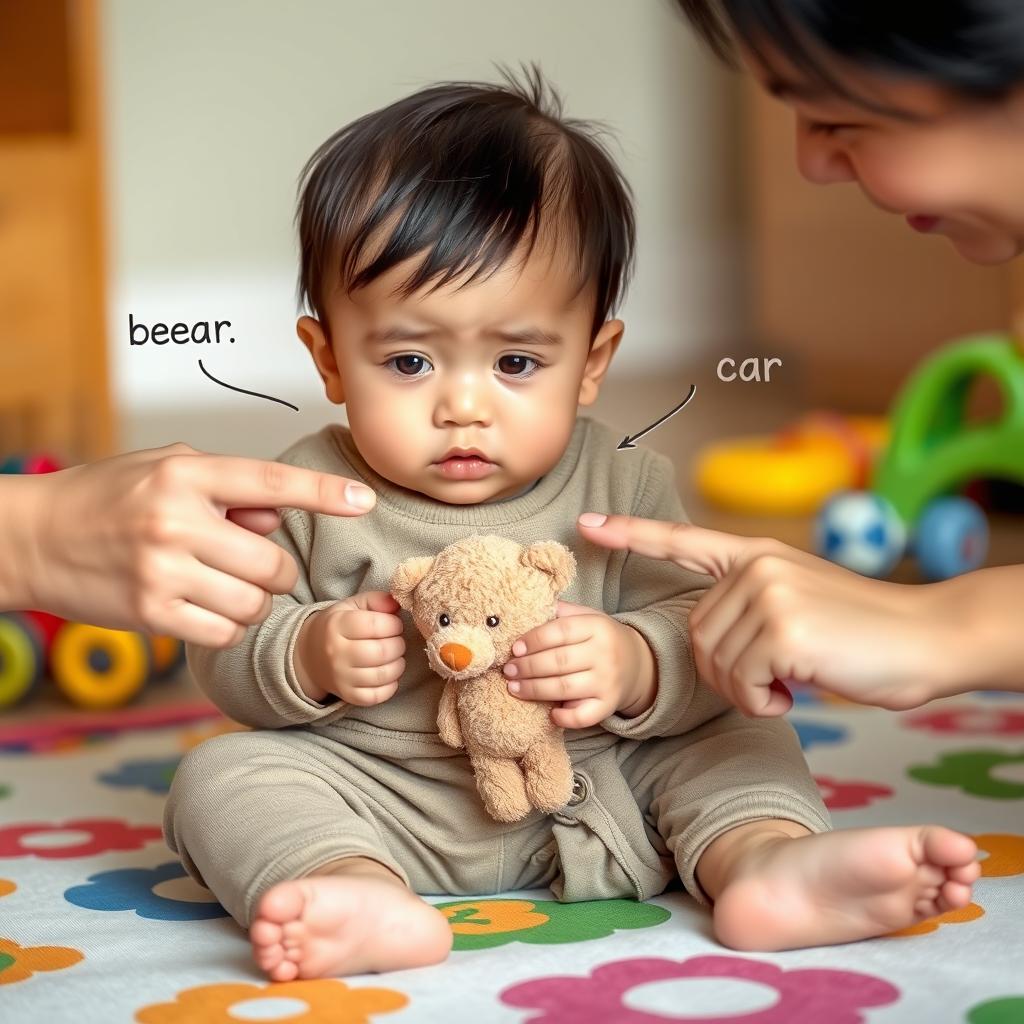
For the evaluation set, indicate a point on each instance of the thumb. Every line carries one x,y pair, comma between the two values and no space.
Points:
374,601
690,547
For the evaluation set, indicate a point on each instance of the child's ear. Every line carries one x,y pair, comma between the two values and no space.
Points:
603,347
313,336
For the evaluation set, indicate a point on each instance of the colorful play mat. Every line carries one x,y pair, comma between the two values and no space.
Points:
98,922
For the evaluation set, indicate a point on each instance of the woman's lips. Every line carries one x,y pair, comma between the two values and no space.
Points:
465,467
922,222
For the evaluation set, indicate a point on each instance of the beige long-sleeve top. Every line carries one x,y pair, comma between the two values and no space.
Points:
255,682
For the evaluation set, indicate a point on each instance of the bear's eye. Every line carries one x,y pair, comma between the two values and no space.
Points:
492,621
443,620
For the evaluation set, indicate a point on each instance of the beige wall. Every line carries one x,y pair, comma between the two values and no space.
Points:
213,105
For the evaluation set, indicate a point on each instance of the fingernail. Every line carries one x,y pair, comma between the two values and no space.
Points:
510,670
360,497
513,687
519,648
592,519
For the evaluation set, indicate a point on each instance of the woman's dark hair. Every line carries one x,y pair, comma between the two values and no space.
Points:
974,47
460,174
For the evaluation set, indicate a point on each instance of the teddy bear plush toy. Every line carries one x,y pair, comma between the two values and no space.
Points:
471,602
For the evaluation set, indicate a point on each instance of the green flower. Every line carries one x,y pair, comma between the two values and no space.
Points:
486,923
1009,1010
971,771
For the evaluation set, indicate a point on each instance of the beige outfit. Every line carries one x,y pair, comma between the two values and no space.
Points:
317,782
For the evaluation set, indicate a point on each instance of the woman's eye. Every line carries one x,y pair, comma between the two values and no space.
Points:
517,366
443,620
492,621
410,365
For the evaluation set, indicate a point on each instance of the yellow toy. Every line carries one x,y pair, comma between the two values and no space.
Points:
794,471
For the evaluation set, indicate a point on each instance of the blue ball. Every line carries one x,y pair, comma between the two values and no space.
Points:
861,531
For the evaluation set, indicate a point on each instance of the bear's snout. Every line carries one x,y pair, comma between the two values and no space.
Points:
455,656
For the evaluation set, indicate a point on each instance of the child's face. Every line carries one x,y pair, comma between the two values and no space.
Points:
464,394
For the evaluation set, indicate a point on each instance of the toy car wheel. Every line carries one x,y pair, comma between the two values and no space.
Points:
99,668
861,531
951,538
22,658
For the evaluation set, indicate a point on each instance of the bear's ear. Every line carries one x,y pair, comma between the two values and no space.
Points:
553,559
407,578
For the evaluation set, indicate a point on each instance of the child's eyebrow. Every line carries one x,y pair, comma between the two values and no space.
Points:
530,334
399,334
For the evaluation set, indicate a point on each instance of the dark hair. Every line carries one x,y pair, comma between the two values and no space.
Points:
974,47
460,174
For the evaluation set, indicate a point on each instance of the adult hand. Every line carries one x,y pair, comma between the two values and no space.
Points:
168,540
777,614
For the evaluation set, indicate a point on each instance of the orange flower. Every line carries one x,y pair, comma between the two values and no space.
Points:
17,963
6,887
324,1001
1005,854
932,924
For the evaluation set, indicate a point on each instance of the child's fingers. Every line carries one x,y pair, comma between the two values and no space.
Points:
558,661
368,696
375,653
556,633
364,625
580,714
360,681
578,686
755,690
373,601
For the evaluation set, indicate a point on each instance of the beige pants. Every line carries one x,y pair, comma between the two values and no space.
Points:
249,810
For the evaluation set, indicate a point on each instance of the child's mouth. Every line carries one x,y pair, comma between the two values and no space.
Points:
465,467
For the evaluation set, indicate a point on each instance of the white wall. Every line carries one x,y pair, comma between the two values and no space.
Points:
213,106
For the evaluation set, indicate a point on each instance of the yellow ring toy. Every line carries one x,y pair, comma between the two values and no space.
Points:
99,668
21,658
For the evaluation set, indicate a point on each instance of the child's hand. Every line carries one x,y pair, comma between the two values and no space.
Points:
354,649
586,661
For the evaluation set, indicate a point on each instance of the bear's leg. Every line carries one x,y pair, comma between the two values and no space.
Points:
502,787
548,772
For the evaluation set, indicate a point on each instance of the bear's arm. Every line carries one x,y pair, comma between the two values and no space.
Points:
448,716
655,598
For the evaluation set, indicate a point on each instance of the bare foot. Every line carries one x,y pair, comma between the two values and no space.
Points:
814,890
333,925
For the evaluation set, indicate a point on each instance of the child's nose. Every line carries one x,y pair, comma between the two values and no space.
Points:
464,401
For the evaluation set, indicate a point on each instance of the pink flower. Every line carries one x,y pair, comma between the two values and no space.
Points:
844,795
102,836
969,721
805,995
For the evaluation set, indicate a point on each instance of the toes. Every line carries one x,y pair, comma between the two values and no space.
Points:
268,957
954,895
967,874
925,908
284,971
945,847
282,904
265,933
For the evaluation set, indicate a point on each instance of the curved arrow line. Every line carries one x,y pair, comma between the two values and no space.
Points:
627,441
255,394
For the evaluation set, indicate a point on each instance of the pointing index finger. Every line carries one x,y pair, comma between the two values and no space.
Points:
253,483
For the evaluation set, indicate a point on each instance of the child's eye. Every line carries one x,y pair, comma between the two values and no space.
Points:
517,366
410,365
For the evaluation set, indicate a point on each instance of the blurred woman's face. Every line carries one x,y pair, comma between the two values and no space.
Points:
949,165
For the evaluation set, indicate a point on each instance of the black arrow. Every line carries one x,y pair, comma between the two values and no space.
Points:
244,391
627,442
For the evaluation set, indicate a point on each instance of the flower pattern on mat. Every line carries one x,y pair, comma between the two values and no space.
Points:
971,772
805,695
932,924
486,923
814,734
132,889
971,721
839,796
19,963
102,836
324,1001
1005,854
5,791
1007,1010
154,775
805,996
193,737
6,887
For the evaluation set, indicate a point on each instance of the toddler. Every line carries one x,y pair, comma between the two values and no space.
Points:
463,252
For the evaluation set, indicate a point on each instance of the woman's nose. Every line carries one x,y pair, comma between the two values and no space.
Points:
822,158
